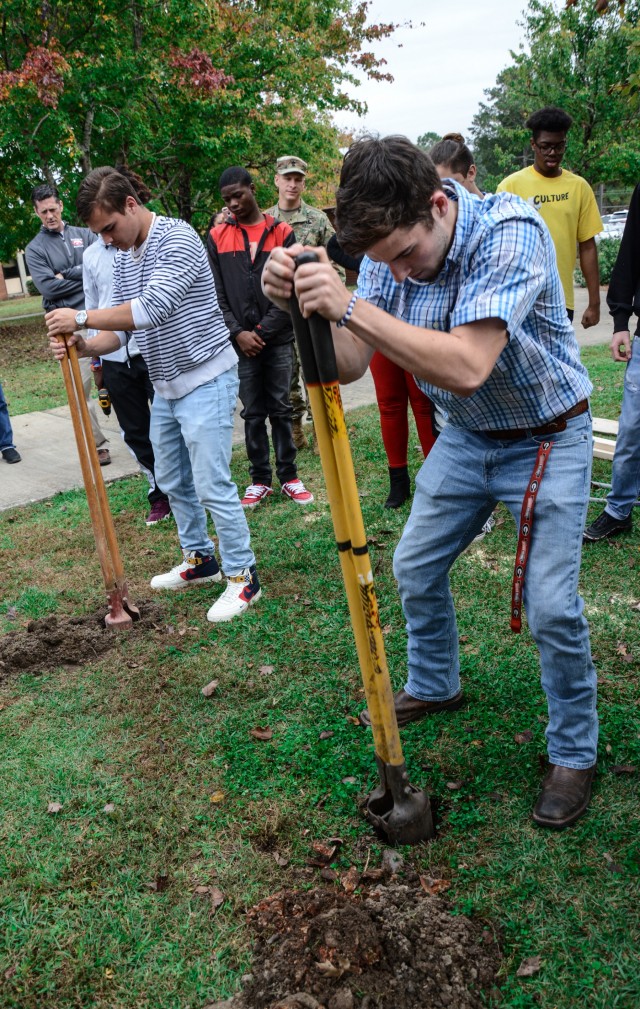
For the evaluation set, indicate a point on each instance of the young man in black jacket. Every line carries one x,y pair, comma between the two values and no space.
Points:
623,302
261,333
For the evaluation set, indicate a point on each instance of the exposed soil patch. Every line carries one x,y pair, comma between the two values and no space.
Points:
393,946
23,342
64,641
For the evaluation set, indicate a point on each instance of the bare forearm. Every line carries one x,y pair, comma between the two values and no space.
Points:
588,252
104,342
118,317
459,361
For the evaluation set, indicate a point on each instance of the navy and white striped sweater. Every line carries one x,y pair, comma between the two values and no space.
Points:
179,327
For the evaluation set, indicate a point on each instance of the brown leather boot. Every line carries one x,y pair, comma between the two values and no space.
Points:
564,797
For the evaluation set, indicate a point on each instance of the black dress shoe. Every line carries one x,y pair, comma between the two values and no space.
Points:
606,526
410,709
564,797
11,455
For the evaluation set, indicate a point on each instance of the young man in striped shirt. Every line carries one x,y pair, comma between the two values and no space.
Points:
164,293
466,295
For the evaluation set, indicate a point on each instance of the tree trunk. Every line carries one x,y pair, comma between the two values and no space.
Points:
184,197
4,294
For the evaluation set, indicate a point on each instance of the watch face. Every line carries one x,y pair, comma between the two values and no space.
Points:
81,318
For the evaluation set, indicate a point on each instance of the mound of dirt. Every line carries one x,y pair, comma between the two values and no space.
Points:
64,641
393,947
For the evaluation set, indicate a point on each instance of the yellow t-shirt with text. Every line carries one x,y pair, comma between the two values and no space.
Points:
569,209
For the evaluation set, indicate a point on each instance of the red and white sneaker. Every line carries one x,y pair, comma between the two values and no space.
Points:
254,494
296,490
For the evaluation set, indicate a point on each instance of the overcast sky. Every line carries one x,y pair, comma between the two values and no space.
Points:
441,68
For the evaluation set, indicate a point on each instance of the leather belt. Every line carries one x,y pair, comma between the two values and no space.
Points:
558,424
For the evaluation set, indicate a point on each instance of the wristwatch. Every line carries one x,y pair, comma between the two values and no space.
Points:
81,318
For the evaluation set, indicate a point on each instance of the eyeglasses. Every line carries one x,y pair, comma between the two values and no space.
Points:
547,148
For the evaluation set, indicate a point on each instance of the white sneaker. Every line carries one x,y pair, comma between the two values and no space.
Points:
487,527
242,591
196,569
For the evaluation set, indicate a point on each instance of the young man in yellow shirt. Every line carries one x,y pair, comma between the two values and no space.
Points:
565,202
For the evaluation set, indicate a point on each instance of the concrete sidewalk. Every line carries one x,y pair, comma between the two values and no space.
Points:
50,460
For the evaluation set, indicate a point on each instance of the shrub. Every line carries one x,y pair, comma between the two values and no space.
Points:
31,288
607,254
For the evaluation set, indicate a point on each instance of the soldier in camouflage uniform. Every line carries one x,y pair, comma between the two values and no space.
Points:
311,227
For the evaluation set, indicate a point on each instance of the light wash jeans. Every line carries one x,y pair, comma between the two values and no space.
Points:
462,479
625,473
191,439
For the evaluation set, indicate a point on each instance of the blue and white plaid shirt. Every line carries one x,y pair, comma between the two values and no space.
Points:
501,265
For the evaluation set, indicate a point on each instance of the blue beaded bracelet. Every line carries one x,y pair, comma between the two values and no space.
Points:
347,315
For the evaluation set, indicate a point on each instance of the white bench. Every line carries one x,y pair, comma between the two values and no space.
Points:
604,438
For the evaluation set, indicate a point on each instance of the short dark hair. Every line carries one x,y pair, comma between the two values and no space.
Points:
385,183
44,192
235,176
550,119
107,188
451,152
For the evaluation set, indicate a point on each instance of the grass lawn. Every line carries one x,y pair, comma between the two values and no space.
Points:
164,792
13,307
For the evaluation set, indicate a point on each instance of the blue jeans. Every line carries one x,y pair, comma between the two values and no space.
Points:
265,382
6,432
191,439
462,479
625,474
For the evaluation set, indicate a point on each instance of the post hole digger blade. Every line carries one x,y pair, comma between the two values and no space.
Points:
121,611
399,811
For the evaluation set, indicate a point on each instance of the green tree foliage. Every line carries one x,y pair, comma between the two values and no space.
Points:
578,59
428,140
178,90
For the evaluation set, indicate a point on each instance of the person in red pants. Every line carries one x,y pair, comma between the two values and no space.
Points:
395,390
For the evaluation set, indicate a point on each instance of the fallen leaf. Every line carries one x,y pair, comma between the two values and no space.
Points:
621,648
433,886
280,859
54,807
327,734
217,898
387,629
523,737
108,972
210,688
454,786
10,971
11,613
265,670
350,780
202,889
109,808
350,879
529,967
353,719
262,732
216,797
160,883
624,769
328,969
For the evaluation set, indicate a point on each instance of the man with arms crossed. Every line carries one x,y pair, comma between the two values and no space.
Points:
163,292
466,295
54,258
566,203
